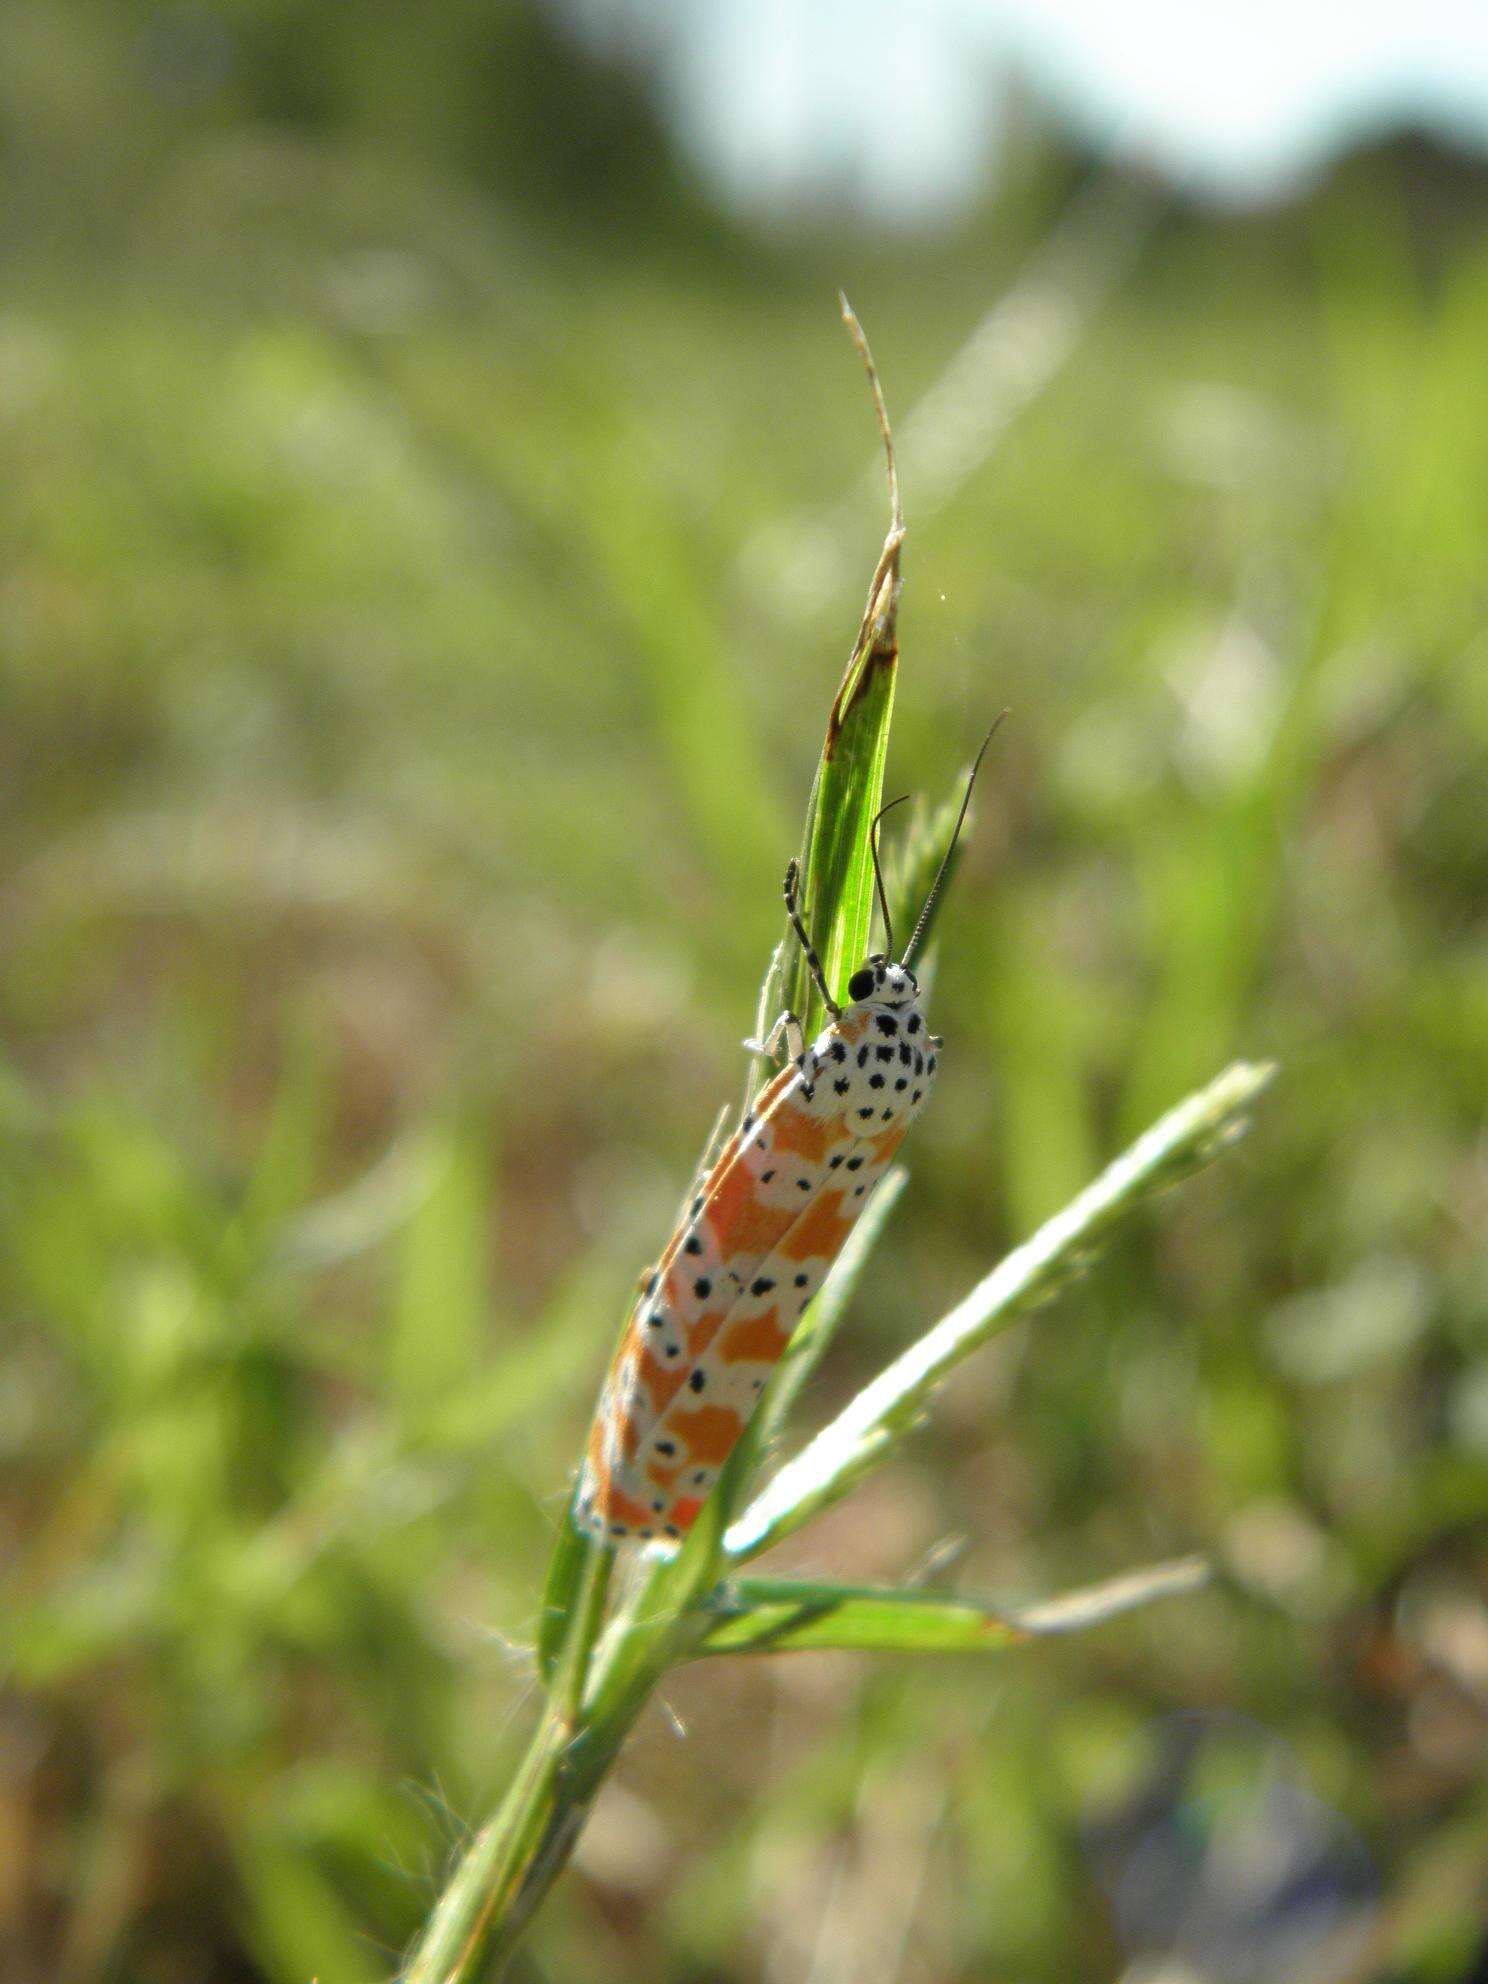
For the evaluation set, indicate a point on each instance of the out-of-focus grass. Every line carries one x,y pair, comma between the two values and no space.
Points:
399,754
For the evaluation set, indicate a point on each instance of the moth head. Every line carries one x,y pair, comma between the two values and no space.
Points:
883,982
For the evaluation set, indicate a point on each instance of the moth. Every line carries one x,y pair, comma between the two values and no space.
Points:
713,1316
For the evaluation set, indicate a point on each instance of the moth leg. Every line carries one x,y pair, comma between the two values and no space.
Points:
787,1026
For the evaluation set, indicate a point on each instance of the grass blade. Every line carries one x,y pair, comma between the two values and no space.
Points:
784,1615
837,872
836,869
565,1568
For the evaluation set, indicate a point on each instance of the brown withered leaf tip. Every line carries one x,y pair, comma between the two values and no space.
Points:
877,643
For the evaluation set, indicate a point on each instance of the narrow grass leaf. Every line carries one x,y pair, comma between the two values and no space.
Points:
565,1569
785,1615
782,1615
836,864
837,871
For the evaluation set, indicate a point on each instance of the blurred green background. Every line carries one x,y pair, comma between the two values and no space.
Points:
430,534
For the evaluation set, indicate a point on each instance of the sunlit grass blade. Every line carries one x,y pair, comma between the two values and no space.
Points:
837,872
788,1615
837,892
884,1410
565,1570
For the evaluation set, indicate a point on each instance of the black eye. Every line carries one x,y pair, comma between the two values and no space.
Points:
860,985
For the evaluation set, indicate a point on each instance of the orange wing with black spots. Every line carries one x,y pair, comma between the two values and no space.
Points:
681,1457
756,1242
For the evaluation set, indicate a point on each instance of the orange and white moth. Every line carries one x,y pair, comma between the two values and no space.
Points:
755,1243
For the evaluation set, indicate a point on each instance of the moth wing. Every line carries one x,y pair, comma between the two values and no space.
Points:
752,1193
683,1401
758,1326
755,1244
698,1426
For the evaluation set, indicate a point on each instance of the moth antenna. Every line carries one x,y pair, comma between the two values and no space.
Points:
945,860
856,332
813,962
883,900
